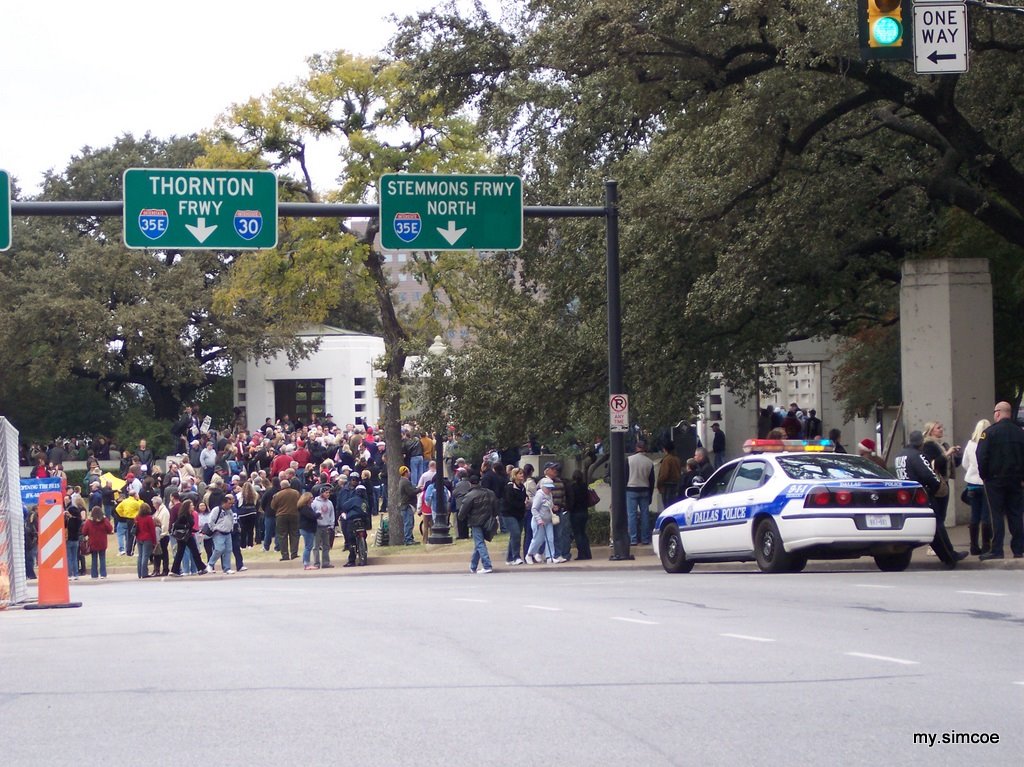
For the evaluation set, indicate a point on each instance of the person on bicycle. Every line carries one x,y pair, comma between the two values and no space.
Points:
355,515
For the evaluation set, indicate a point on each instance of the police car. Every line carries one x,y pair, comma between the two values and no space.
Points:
788,501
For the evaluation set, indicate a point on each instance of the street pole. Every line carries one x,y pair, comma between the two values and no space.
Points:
440,531
617,517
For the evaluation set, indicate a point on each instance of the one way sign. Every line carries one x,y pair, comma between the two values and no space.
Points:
940,37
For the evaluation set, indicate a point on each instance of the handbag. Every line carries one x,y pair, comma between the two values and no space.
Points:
491,528
965,496
158,550
206,530
554,518
592,497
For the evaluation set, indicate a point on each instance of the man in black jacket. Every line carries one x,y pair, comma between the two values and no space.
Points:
1001,466
479,506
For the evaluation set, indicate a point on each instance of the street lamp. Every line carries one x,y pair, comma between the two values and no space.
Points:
440,531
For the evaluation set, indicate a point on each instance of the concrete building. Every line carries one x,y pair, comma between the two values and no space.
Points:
338,378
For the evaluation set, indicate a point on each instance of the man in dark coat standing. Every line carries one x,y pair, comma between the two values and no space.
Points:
1001,466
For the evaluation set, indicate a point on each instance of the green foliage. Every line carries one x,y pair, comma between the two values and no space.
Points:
134,422
771,184
76,305
869,374
50,408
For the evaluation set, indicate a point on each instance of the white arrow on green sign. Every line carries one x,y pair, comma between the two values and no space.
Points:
5,210
185,209
428,211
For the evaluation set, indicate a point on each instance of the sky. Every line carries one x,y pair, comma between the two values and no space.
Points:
75,74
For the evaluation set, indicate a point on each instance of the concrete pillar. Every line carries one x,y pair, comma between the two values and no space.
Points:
946,349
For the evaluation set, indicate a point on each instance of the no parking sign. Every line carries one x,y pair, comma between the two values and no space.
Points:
618,412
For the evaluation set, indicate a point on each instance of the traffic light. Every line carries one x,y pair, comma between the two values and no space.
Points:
885,29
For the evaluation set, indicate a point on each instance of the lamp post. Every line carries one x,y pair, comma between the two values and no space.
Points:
440,531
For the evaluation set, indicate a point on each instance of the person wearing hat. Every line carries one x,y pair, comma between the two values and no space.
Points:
356,506
541,512
478,508
911,464
866,448
324,510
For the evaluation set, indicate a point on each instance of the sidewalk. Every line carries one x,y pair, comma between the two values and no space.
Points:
436,560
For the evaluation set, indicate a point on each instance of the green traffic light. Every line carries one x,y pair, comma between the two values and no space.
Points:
887,31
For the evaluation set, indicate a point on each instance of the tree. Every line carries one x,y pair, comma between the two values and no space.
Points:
76,304
382,125
771,181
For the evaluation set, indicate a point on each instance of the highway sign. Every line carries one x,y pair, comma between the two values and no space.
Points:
940,37
179,209
425,211
5,210
618,412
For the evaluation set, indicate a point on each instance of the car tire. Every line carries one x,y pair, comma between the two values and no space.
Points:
797,563
768,550
894,563
673,557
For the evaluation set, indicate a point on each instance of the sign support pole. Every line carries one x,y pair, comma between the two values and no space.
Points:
617,517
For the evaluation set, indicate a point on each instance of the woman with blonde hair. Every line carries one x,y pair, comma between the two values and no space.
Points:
944,459
975,493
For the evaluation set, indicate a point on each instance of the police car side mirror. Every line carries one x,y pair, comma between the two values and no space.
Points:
693,491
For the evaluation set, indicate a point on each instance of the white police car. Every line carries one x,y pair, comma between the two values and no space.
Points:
788,501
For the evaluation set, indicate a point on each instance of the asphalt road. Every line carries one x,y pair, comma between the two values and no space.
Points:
529,668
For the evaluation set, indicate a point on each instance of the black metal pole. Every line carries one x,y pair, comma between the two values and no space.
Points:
620,529
441,530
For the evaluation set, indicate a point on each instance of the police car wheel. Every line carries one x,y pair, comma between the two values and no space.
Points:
894,563
768,551
797,563
673,557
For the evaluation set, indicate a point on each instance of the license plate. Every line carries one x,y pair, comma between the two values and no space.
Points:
877,520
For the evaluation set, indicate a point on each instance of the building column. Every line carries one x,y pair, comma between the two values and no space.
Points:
946,347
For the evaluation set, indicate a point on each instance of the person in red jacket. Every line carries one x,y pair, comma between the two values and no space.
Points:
96,529
145,537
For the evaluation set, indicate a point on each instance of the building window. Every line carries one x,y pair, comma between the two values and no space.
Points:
360,407
241,396
360,394
241,384
360,382
299,399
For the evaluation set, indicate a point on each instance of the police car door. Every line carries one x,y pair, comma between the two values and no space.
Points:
738,503
701,533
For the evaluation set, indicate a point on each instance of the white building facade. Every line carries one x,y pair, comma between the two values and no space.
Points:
338,378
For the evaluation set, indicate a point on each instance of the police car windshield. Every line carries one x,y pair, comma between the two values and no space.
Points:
830,466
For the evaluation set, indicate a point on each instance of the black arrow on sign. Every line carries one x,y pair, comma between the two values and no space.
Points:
935,57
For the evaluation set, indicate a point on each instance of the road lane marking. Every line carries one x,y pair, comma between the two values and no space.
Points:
542,607
479,601
747,637
1018,682
872,586
636,620
983,593
883,657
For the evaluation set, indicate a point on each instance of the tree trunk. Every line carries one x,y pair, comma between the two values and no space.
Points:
166,404
395,345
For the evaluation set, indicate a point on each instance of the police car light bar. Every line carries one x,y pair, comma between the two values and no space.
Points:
789,446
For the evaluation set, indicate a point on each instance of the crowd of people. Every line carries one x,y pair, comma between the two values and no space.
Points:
228,492
224,493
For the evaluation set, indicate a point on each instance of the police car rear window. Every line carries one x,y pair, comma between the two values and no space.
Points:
830,466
